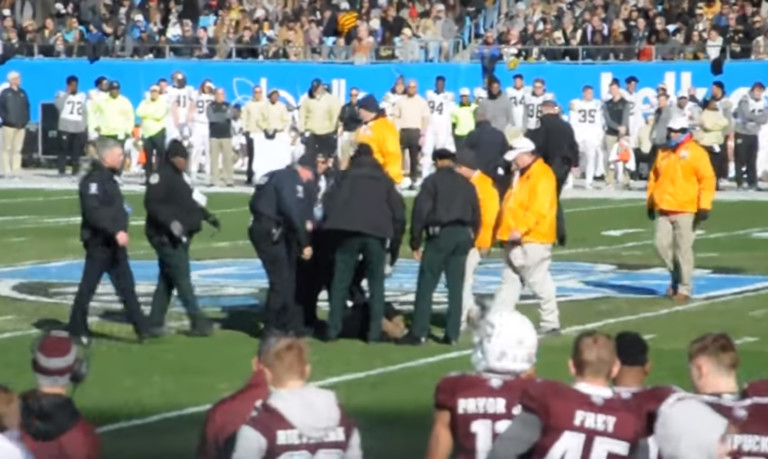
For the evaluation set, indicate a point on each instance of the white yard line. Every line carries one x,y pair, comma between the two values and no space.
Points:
758,313
6,317
33,331
430,360
605,207
648,337
745,340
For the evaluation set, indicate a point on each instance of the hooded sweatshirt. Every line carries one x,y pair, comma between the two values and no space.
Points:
497,109
53,428
307,419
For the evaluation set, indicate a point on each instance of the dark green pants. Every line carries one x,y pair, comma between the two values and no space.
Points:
349,248
446,252
173,262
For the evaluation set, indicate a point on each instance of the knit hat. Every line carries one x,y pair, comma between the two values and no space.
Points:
55,355
443,153
369,104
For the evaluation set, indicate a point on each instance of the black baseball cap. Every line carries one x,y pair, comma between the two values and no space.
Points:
114,84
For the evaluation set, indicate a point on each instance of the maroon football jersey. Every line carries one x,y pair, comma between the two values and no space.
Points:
581,424
482,407
285,439
757,389
749,419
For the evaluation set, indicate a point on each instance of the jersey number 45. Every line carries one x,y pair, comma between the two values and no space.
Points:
571,445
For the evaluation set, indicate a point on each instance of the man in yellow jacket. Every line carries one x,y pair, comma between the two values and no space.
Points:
527,229
488,198
380,133
681,188
114,115
153,112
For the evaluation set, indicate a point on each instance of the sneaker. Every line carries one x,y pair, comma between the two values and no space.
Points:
201,327
448,341
410,340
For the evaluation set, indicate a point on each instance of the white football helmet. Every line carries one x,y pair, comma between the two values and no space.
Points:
505,343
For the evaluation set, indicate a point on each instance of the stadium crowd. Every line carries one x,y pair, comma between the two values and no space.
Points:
361,31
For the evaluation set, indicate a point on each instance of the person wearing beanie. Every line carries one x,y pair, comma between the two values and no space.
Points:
51,424
175,213
366,215
488,198
681,188
279,233
380,134
447,211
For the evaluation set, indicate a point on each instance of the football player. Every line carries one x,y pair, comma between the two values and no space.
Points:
586,117
200,133
516,94
471,409
181,97
533,100
586,420
438,134
636,108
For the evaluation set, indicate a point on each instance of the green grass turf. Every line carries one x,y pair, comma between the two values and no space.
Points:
128,381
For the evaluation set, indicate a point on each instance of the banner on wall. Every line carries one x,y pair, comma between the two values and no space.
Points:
43,78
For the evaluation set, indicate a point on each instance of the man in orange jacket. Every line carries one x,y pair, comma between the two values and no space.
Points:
527,229
681,187
380,133
488,198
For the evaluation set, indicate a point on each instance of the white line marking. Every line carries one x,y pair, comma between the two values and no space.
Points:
91,320
621,232
648,337
6,317
758,313
39,198
746,339
426,361
608,206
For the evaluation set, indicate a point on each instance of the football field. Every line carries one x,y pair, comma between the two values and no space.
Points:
149,400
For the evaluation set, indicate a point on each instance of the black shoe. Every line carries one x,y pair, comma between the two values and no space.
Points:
330,339
448,341
410,340
550,332
380,340
151,333
561,241
201,327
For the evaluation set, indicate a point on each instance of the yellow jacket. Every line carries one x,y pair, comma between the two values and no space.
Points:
115,116
489,209
153,114
530,207
381,134
682,180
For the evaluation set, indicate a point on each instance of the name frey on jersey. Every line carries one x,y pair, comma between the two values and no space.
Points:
594,421
482,405
744,443
294,437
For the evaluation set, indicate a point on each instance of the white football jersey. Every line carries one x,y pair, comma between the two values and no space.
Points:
533,108
183,98
202,101
517,98
440,106
74,107
586,115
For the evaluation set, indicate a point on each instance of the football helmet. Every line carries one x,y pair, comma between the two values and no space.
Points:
179,80
505,343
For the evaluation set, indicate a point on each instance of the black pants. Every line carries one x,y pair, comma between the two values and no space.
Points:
279,257
409,140
249,153
173,274
458,141
154,148
561,170
322,145
745,155
71,146
719,161
107,258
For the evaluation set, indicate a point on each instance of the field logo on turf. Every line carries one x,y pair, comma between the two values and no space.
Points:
243,282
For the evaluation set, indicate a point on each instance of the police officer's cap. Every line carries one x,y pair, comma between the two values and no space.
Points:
443,153
363,149
307,160
114,85
176,149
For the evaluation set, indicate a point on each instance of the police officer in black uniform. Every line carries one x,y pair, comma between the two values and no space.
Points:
278,233
448,211
175,212
104,232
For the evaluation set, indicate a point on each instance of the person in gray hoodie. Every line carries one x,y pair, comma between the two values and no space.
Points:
751,115
661,119
497,107
295,417
73,125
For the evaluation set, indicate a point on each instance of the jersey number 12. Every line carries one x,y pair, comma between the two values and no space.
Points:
485,432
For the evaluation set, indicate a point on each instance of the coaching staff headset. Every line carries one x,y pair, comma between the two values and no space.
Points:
278,230
104,232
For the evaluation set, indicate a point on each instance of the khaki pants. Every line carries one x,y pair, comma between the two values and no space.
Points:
529,265
347,148
610,141
13,141
221,161
674,244
468,305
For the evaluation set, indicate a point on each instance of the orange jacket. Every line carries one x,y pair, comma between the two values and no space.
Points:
682,180
530,207
489,209
381,134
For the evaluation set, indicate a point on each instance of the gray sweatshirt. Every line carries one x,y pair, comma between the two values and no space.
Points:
679,438
314,412
660,123
73,116
750,116
498,111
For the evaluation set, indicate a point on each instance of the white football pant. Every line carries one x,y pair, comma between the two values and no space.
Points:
438,136
591,157
200,154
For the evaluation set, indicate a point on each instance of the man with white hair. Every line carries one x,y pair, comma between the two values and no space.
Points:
471,409
14,111
527,229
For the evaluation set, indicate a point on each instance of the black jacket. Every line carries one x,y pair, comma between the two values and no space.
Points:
169,198
102,207
364,200
14,108
349,117
489,145
280,197
556,143
445,199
